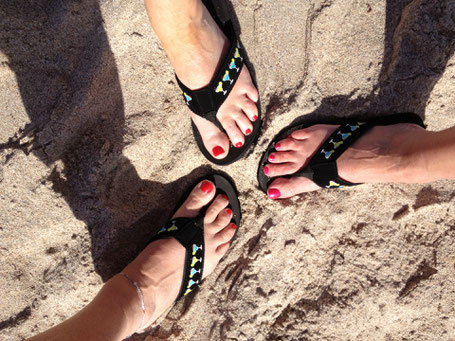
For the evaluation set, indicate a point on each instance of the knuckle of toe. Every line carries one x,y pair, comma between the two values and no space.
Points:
227,234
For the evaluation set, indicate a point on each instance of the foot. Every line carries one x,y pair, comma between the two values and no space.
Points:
380,155
196,46
158,270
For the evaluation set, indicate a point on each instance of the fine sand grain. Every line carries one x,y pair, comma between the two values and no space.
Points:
94,135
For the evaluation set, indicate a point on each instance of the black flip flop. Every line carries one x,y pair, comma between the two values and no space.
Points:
206,101
322,168
190,233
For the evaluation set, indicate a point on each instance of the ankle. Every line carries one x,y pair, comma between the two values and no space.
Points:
414,165
129,300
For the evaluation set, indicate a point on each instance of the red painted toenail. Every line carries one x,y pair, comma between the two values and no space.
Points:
278,146
206,187
238,144
272,157
224,196
233,226
274,193
229,211
255,117
217,151
248,131
266,170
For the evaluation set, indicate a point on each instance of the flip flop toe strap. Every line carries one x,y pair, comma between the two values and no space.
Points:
210,98
188,232
322,168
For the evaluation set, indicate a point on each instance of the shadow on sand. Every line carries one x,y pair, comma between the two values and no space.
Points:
69,84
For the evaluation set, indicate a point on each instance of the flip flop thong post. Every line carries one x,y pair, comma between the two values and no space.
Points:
322,168
206,101
190,233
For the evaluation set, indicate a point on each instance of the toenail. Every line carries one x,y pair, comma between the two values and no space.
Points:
224,196
274,193
248,131
217,151
272,157
233,226
206,187
266,170
238,144
229,211
278,146
255,117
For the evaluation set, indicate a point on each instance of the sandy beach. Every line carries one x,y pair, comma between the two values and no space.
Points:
96,149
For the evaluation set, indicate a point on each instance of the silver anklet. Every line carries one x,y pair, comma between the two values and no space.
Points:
141,296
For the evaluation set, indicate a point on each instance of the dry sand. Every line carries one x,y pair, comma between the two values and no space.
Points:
94,134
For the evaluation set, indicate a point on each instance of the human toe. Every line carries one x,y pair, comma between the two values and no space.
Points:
282,157
280,169
221,202
250,109
283,188
244,124
233,131
221,221
225,234
200,196
218,145
287,144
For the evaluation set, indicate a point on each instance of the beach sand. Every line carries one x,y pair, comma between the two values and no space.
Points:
94,136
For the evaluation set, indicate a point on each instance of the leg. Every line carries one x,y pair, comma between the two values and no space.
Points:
403,153
116,311
195,46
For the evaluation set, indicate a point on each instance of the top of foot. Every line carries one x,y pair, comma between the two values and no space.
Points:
380,155
196,57
159,268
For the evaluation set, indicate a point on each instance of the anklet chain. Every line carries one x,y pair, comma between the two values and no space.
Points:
141,296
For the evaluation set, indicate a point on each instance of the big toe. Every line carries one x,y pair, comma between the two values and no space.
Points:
199,197
283,188
218,145
215,141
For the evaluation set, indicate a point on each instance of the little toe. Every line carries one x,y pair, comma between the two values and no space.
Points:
283,188
221,202
200,196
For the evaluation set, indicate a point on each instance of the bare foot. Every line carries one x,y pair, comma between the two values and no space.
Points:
380,155
158,270
196,46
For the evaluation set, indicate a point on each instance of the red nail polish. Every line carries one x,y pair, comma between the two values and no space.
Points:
224,196
233,226
255,117
266,170
277,146
272,157
238,144
274,193
217,151
229,211
248,131
206,187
